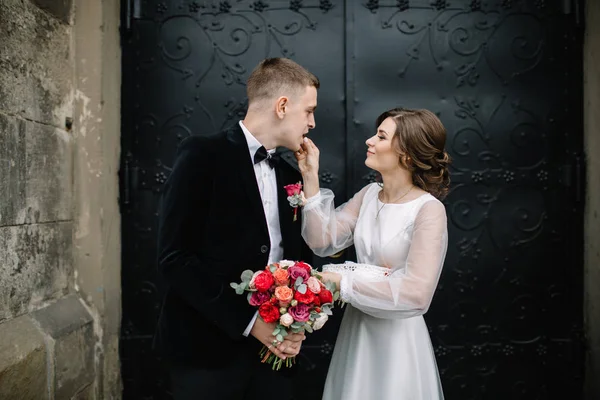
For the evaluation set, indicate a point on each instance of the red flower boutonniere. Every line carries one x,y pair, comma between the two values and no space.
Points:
295,197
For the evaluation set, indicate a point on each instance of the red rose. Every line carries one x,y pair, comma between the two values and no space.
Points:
291,190
269,313
325,296
305,266
306,298
317,301
264,281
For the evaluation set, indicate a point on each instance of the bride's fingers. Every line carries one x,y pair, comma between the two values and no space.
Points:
311,146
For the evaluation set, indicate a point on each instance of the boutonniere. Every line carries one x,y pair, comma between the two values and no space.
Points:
295,197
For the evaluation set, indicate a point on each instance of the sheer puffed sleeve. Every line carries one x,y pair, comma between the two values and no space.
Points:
328,230
406,292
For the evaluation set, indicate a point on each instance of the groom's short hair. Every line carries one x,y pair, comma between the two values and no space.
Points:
275,77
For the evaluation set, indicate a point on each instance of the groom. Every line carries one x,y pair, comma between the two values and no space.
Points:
224,210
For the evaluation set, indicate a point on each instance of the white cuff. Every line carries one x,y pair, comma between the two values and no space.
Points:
346,287
312,202
250,325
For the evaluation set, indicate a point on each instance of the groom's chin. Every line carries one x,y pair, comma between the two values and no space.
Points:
293,148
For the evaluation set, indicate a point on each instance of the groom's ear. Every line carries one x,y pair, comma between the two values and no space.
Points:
281,106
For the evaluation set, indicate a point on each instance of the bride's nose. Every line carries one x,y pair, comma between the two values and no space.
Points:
369,141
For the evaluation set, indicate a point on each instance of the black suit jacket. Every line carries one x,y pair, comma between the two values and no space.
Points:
212,227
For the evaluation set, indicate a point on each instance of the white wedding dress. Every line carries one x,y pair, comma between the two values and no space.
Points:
383,350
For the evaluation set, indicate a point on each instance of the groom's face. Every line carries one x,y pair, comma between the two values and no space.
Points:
299,118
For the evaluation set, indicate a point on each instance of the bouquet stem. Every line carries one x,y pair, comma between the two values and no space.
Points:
276,362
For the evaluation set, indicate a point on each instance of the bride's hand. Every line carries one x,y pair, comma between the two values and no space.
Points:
308,159
332,277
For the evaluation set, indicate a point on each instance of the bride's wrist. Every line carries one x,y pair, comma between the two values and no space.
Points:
310,185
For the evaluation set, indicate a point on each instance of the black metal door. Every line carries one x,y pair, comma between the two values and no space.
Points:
504,77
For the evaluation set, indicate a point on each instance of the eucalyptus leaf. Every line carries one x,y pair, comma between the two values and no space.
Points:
247,275
233,285
272,268
299,281
276,331
280,337
336,296
308,328
284,333
302,289
239,290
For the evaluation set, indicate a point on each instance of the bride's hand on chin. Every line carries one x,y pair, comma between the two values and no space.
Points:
308,158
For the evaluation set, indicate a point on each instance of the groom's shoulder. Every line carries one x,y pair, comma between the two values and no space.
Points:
201,144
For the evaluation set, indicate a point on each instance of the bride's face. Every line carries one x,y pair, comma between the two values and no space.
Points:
381,155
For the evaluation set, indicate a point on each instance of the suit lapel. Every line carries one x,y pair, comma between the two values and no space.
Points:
246,173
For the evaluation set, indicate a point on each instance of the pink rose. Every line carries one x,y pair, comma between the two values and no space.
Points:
291,190
304,265
286,320
314,285
284,294
258,298
281,277
297,272
301,312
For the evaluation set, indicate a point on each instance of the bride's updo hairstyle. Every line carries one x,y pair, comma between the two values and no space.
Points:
420,139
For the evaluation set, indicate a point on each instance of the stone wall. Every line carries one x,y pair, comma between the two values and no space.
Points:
592,213
59,221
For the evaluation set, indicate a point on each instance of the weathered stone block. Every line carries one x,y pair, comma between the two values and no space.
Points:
36,265
36,74
22,361
12,169
85,394
71,326
36,165
61,9
49,174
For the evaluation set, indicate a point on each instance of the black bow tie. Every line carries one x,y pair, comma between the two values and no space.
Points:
262,154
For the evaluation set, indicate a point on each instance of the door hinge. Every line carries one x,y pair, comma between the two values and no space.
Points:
579,178
129,182
575,8
573,176
131,10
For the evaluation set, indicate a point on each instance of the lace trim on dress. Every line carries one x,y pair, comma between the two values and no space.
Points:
346,270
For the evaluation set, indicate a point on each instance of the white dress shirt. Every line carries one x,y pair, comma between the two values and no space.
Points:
267,185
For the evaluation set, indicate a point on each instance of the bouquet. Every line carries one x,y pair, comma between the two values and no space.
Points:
291,294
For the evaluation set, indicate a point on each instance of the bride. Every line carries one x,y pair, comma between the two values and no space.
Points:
383,350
